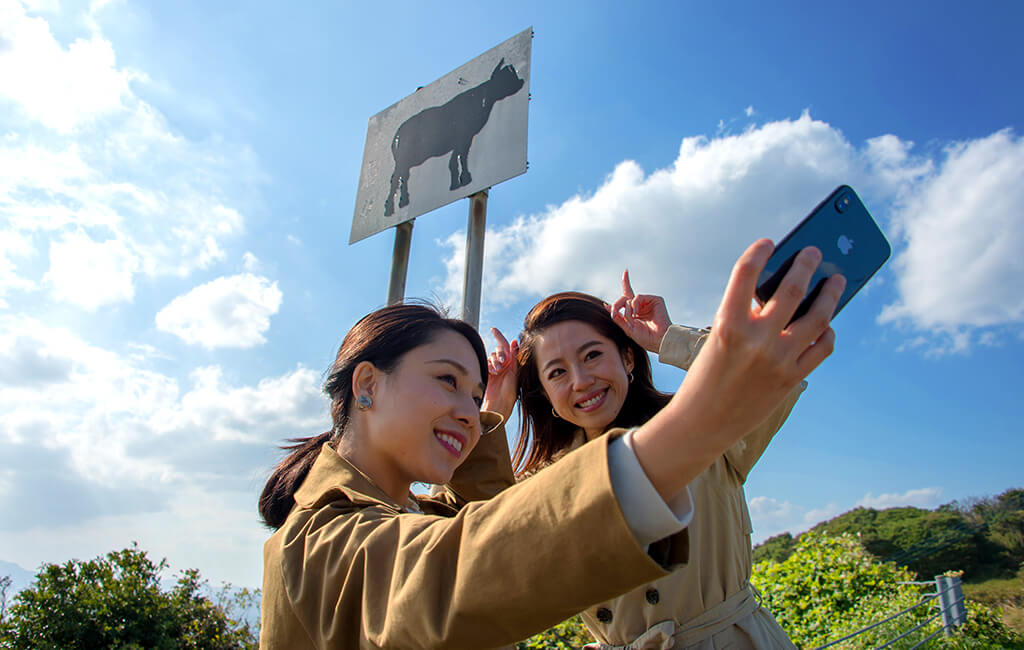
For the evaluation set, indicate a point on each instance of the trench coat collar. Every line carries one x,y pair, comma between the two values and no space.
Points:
489,421
332,476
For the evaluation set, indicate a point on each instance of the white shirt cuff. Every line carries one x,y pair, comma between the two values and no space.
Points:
647,514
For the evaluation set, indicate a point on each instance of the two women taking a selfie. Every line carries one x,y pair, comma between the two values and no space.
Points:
358,561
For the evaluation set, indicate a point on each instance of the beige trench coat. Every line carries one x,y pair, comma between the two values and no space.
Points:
350,568
706,603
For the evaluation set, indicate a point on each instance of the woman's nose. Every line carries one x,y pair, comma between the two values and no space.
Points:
467,412
581,378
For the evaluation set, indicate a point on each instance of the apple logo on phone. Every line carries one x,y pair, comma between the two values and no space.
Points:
845,244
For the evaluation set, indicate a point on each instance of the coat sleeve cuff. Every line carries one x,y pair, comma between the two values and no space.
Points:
648,515
681,344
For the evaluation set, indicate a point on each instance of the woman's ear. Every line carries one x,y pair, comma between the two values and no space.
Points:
627,360
364,380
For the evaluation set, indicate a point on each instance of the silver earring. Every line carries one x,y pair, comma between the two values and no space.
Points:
630,376
363,402
553,412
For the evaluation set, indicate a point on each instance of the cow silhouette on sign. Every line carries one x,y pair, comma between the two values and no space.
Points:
451,127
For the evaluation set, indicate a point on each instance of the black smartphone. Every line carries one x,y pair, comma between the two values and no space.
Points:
850,241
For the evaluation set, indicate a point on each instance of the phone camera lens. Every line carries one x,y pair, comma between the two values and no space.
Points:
842,203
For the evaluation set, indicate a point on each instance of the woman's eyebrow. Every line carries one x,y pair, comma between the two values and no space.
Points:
458,366
585,346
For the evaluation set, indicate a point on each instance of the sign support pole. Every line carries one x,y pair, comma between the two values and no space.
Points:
474,258
400,262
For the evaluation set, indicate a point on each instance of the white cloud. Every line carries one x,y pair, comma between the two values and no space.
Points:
677,229
918,498
13,245
82,153
749,111
955,226
815,516
225,522
231,311
96,451
250,262
772,517
106,426
60,88
961,268
91,274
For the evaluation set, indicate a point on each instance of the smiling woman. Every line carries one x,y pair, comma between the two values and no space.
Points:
357,560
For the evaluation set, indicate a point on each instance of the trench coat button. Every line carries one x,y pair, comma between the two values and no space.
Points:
652,596
604,615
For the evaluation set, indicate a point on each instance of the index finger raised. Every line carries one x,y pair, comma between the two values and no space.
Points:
500,338
627,288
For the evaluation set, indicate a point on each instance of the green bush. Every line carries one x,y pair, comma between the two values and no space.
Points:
567,635
984,629
116,601
775,549
831,586
984,537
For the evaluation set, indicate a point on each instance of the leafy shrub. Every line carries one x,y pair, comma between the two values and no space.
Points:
116,602
831,587
567,635
775,549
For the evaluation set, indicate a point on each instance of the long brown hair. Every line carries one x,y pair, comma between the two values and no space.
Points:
541,434
381,337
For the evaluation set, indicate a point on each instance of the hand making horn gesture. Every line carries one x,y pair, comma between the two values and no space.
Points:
503,367
644,318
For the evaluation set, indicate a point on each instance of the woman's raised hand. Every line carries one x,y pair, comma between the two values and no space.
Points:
756,355
503,367
644,318
751,360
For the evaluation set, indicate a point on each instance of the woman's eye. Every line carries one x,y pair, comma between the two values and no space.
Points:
449,379
593,354
479,401
555,373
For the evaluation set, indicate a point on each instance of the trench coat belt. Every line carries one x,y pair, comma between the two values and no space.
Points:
666,634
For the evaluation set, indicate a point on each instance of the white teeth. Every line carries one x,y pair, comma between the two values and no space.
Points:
590,402
454,442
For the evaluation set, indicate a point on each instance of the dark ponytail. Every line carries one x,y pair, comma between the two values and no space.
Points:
382,337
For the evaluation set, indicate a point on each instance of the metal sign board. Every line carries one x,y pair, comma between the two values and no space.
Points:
461,134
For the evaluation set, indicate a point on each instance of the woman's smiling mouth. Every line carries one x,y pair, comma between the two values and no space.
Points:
592,401
451,441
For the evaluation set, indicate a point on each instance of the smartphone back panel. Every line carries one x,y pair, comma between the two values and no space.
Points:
850,241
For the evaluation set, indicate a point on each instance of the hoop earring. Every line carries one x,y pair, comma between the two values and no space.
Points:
630,376
553,412
363,402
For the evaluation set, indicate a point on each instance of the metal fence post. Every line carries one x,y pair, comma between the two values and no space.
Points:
945,592
959,610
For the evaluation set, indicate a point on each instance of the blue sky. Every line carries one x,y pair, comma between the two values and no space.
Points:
177,182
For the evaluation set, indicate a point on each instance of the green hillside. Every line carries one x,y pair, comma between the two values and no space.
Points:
984,537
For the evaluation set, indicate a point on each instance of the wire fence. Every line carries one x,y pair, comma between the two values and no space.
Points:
949,598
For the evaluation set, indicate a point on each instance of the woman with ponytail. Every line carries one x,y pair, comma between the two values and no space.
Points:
358,561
